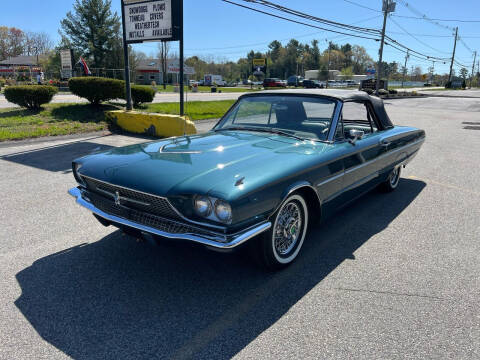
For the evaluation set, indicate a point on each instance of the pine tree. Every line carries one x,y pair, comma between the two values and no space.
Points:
94,32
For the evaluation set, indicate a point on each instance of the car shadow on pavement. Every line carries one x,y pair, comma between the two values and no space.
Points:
55,157
116,298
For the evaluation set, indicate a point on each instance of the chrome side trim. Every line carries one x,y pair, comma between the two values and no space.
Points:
388,153
163,198
334,177
219,241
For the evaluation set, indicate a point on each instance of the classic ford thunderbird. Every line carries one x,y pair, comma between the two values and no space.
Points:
276,161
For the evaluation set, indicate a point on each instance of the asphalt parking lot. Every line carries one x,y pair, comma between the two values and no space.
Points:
390,277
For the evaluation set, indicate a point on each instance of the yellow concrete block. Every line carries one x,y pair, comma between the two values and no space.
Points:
163,125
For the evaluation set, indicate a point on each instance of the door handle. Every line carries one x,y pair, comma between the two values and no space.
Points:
385,143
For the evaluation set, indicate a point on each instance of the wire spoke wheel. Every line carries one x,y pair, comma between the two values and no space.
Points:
287,229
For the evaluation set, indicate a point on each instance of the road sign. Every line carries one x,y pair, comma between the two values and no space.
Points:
259,66
173,67
151,20
66,60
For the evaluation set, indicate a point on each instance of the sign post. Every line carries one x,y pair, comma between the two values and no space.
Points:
128,90
151,20
180,25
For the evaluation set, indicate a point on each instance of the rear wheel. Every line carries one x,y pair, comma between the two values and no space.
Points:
279,247
393,179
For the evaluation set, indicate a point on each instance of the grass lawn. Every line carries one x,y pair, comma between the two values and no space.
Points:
53,119
196,110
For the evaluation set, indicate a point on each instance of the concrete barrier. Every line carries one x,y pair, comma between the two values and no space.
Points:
163,125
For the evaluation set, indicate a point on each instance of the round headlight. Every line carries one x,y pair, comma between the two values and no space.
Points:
203,206
223,211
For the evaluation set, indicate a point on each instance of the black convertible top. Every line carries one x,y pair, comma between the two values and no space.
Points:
342,95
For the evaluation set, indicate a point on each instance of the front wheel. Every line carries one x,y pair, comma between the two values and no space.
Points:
280,246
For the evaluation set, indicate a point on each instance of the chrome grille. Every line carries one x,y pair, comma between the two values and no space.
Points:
133,199
108,206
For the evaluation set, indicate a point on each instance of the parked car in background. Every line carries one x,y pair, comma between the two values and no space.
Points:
294,80
273,82
312,84
277,161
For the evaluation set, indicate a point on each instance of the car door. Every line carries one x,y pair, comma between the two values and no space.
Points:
361,160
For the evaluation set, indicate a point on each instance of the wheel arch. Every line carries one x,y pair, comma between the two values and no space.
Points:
309,194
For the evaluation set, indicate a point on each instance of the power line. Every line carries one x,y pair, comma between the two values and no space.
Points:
420,41
299,22
268,42
299,14
311,17
422,17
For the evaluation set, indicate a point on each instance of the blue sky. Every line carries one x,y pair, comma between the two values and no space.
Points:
218,29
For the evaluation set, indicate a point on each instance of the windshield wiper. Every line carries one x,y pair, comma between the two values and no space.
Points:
262,129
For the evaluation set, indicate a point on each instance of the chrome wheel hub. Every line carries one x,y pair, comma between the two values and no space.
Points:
288,228
395,177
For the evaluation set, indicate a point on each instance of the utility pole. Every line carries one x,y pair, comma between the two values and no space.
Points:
405,67
473,67
328,65
388,7
453,55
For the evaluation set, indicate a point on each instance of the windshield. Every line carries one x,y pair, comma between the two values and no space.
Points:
300,116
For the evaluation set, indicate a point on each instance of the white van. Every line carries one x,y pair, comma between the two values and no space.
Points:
210,80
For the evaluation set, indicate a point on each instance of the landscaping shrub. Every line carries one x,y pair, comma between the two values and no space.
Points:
2,82
97,89
30,96
368,91
382,92
142,94
392,91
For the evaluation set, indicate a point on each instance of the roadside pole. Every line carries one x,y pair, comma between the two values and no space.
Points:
388,6
128,90
473,67
181,59
453,55
405,68
328,64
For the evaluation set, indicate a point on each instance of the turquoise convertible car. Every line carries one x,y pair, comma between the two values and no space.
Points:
276,161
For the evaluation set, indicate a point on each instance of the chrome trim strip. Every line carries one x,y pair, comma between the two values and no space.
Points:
163,198
162,148
237,239
334,177
334,122
388,153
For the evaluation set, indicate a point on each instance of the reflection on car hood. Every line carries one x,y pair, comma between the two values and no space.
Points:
206,163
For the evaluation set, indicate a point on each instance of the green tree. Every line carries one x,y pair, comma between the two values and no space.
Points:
463,73
94,32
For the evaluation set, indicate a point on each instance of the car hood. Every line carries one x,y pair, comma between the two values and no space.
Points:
217,163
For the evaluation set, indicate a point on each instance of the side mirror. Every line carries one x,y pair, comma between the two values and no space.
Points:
355,135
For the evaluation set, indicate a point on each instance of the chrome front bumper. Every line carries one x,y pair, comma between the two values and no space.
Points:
220,241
